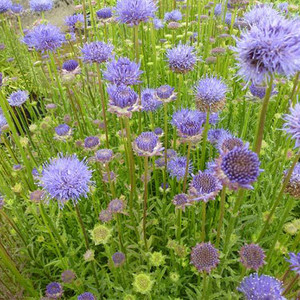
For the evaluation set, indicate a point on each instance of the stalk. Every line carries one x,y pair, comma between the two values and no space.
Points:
291,284
222,212
295,83
187,167
205,132
145,199
203,221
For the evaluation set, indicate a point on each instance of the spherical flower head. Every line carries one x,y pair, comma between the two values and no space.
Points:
210,94
218,10
158,24
158,131
293,186
40,5
36,196
214,135
174,15
104,13
261,287
261,12
118,258
44,37
177,165
149,100
63,131
166,94
133,12
294,262
123,100
113,177
204,257
5,5
292,124
157,259
104,155
54,290
86,296
147,144
189,124
268,49
259,91
181,58
142,283
100,234
97,52
16,8
105,216
73,20
68,276
252,256
204,186
66,178
18,98
181,201
91,142
238,168
228,142
123,71
116,206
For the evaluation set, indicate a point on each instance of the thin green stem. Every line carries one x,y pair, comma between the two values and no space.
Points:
221,218
145,200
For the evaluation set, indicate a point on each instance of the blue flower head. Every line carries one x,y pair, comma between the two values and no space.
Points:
292,124
174,15
149,100
97,52
44,37
72,20
177,165
66,178
40,5
294,262
104,13
158,23
17,98
5,5
133,12
16,8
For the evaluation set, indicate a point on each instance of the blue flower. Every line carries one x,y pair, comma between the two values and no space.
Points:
123,71
214,135
66,178
228,142
158,24
3,121
17,98
261,287
86,296
104,13
149,101
70,65
252,256
181,58
292,124
177,165
72,20
16,8
44,37
54,290
210,94
40,5
5,5
174,15
260,90
97,52
294,262
133,12
218,10
147,144
166,93
271,48
293,186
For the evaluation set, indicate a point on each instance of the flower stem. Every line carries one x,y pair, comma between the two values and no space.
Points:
145,199
222,212
291,284
262,118
203,221
203,152
187,167
295,83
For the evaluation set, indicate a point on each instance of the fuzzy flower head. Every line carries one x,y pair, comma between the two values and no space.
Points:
293,186
252,256
73,21
174,16
104,14
294,262
181,58
133,12
104,155
100,234
105,216
147,144
40,5
63,132
122,100
70,65
181,201
292,124
189,124
268,49
214,135
177,166
210,94
97,52
166,94
228,142
118,258
149,100
66,178
238,168
86,296
158,24
123,72
44,37
17,98
16,8
5,5
261,287
204,186
91,143
116,206
204,257
54,290
68,276
142,283
259,91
